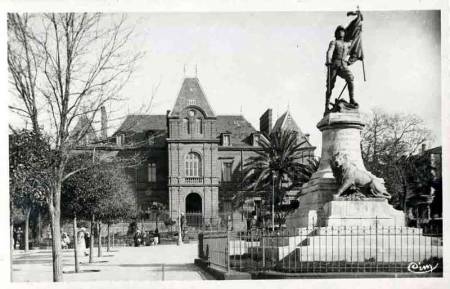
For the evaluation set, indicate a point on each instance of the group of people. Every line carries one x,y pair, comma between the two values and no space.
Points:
141,238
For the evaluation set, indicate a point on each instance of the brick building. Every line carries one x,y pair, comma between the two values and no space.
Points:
194,157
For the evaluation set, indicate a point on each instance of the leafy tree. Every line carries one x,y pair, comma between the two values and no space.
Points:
100,191
30,158
83,192
418,181
120,203
276,167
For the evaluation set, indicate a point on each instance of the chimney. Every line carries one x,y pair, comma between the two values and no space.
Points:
424,148
104,124
167,122
307,136
265,122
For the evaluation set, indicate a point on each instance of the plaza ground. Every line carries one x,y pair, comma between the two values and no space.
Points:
162,262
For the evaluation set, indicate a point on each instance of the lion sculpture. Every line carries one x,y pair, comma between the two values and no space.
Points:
354,181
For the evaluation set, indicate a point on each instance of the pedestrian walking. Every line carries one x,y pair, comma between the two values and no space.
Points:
82,242
156,237
15,237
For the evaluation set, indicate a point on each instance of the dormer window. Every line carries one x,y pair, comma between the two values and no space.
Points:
151,139
120,139
256,139
226,139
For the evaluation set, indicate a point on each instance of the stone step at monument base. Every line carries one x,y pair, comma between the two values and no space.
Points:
329,241
383,249
240,247
383,241
360,230
410,253
276,246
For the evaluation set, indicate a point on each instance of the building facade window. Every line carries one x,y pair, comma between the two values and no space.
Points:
186,126
226,171
226,140
193,165
198,124
120,139
152,173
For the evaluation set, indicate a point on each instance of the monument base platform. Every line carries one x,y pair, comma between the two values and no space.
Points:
365,212
316,193
319,208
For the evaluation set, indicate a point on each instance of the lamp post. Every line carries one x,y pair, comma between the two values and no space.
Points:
273,201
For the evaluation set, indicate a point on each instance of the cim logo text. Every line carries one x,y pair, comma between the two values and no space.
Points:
419,268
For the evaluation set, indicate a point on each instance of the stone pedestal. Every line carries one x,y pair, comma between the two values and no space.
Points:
368,212
341,132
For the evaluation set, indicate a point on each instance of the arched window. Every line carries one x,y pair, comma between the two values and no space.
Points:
193,165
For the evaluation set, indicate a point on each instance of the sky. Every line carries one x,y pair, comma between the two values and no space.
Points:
249,62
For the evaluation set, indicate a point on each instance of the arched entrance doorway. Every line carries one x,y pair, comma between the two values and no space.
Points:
194,209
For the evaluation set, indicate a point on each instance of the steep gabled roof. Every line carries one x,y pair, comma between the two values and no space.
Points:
286,122
191,94
141,123
238,126
84,126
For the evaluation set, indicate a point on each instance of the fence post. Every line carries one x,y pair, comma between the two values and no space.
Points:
376,240
227,250
263,251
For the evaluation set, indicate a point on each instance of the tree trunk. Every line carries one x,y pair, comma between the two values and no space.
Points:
108,244
55,224
91,240
11,249
39,228
27,229
99,241
75,244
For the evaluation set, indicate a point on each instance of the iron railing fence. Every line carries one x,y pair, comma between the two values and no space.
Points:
323,249
221,221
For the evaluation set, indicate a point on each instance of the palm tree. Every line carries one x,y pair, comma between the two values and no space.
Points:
277,167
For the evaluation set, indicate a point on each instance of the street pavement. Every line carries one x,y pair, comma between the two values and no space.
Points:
162,262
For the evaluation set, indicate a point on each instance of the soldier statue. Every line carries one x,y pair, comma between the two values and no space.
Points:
343,52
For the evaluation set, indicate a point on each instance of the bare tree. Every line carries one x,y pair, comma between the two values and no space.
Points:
385,141
73,64
23,67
